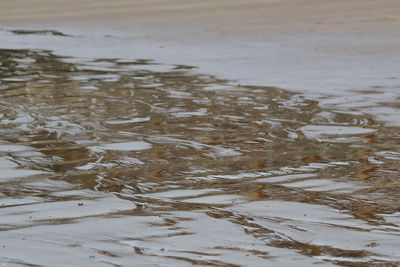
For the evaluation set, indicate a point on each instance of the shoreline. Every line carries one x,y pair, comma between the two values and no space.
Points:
332,52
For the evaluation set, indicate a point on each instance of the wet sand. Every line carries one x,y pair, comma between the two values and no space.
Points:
176,133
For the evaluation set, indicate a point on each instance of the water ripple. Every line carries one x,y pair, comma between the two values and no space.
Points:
113,162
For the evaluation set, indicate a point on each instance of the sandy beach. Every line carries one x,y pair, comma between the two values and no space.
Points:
256,16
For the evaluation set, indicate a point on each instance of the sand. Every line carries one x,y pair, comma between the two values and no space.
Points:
244,16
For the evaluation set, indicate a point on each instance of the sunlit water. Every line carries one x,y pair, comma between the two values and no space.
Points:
113,162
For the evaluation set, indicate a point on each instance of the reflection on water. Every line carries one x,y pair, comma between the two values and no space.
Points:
111,162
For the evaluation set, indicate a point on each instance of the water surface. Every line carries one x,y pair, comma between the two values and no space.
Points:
116,162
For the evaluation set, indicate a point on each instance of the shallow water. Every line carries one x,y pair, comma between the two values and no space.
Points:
115,162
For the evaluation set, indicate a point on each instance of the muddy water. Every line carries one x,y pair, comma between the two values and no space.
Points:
113,162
